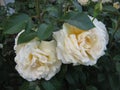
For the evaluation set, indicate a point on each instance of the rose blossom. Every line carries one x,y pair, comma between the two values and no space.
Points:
36,60
116,5
81,47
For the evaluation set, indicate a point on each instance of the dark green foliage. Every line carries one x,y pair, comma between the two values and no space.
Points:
16,23
44,31
29,86
105,75
81,20
25,37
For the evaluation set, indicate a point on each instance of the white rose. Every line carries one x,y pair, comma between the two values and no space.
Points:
81,47
36,60
116,5
83,2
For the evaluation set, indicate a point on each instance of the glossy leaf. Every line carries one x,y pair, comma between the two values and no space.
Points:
117,58
26,37
110,8
81,21
29,25
44,31
29,86
77,5
16,23
48,86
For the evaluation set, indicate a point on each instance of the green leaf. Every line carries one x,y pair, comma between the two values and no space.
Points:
33,86
29,25
48,85
60,1
52,11
31,5
29,86
26,37
53,84
97,9
15,29
74,79
111,9
114,81
67,15
77,5
117,58
91,88
44,31
117,35
62,72
70,79
81,21
101,77
24,86
118,67
16,23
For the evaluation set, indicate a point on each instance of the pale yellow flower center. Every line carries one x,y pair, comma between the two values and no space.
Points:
30,57
73,30
86,40
81,36
36,59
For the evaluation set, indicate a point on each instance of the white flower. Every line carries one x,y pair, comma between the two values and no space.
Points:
116,5
36,60
83,2
81,47
103,1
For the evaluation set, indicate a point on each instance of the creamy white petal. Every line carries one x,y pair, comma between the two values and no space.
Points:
81,47
36,60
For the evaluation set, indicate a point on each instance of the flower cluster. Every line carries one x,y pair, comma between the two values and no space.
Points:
42,59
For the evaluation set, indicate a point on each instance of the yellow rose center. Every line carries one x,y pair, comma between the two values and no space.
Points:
36,59
73,30
82,36
30,57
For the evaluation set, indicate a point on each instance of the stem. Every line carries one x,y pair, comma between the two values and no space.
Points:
37,6
116,29
60,9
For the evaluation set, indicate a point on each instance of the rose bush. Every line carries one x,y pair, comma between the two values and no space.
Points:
91,58
36,60
81,47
